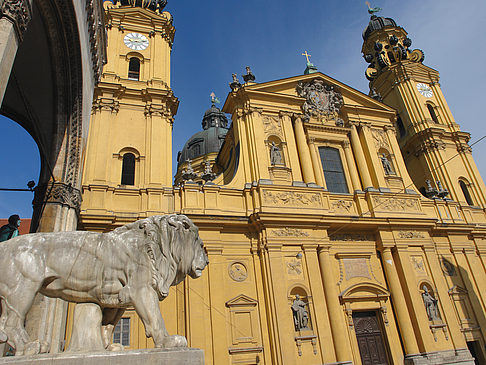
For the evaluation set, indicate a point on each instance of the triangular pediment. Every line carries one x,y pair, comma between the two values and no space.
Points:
136,15
241,300
287,88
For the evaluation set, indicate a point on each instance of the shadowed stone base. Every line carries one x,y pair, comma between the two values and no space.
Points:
184,356
460,356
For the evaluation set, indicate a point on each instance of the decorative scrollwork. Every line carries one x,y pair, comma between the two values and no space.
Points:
321,99
19,12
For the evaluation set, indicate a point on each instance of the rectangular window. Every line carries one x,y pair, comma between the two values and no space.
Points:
333,170
121,333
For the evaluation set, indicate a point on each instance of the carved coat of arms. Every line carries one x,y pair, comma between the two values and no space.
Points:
321,99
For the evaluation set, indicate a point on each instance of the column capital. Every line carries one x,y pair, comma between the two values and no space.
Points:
19,13
284,114
58,193
107,104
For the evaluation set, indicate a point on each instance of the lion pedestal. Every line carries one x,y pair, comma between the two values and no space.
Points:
179,356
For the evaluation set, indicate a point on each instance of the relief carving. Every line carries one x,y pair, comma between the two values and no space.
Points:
419,265
395,204
271,125
380,139
410,234
322,100
342,205
294,267
289,232
352,237
237,271
291,198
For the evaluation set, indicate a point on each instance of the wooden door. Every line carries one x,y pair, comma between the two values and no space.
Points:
370,338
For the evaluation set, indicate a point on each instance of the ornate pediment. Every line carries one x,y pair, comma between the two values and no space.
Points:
322,99
241,301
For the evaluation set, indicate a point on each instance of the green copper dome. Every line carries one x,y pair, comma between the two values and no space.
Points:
215,125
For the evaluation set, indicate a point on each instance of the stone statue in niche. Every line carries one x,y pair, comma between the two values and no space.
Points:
275,155
386,165
133,265
430,305
301,315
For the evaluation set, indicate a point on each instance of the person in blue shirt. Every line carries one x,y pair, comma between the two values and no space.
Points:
11,229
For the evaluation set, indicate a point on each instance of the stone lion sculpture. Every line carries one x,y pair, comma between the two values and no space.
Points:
133,265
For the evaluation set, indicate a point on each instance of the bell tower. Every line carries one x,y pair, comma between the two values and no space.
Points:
435,150
128,168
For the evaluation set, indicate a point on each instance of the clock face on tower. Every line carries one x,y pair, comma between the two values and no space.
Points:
136,41
425,90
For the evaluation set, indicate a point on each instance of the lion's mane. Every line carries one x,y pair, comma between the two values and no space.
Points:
162,235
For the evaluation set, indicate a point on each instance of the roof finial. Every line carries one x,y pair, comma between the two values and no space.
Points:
311,68
306,56
214,99
372,10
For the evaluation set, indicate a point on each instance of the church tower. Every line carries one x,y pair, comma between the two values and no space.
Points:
435,150
129,155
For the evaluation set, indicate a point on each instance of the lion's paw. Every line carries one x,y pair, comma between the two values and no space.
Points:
115,347
175,341
35,347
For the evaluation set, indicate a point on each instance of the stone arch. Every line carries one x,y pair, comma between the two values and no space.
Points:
45,94
55,55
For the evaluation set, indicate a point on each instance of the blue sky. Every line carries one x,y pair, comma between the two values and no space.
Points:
217,38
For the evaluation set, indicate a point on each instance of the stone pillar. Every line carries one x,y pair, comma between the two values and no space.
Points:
158,170
401,311
316,164
15,15
351,166
418,314
304,153
376,167
449,315
342,344
319,297
59,204
360,158
400,164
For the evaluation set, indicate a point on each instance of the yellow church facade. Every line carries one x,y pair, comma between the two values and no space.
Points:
340,227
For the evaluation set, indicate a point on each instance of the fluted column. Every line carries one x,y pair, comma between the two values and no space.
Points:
362,165
401,311
336,316
351,165
304,153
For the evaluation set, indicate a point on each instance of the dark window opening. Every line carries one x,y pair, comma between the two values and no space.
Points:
121,333
134,69
128,169
432,113
401,127
465,191
333,170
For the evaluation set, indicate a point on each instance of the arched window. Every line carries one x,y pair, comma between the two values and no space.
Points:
128,169
401,127
466,193
432,113
333,170
134,69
